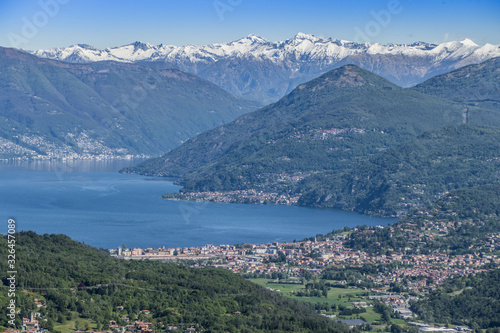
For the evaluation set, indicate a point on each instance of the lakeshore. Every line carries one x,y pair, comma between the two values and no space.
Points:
93,203
321,269
423,272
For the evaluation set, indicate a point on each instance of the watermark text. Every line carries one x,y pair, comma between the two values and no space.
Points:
11,272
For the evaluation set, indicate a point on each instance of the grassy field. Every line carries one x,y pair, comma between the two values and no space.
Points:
69,325
336,296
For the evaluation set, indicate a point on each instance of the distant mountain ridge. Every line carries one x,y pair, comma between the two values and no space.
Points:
474,85
255,68
57,109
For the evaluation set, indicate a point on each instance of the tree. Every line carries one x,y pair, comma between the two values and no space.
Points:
396,328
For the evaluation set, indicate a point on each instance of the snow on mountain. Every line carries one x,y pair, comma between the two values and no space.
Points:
289,62
302,46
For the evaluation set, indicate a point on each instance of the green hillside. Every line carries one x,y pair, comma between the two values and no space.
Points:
76,282
143,108
414,174
472,301
474,85
310,142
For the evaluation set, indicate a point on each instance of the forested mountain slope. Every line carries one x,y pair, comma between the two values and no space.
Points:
59,109
73,280
313,142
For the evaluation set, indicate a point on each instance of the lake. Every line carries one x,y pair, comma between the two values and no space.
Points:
92,203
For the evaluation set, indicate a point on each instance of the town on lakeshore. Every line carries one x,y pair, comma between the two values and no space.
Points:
250,258
87,149
282,264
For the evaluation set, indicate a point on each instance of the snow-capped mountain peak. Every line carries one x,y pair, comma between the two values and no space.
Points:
143,46
85,46
469,42
256,38
251,39
302,35
301,46
247,66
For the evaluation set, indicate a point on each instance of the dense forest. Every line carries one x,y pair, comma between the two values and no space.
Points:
472,301
75,281
412,175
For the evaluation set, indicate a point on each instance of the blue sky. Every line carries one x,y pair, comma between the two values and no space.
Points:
104,23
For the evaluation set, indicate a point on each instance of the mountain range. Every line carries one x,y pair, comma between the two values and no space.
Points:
315,142
58,109
257,69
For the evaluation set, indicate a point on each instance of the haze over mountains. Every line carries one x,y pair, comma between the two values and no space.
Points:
265,71
57,109
327,128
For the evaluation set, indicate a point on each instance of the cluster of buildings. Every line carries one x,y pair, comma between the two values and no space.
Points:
30,325
135,327
420,272
493,241
431,328
9,148
397,302
88,149
239,196
323,134
142,327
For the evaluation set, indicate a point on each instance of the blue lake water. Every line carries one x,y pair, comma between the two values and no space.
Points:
92,203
